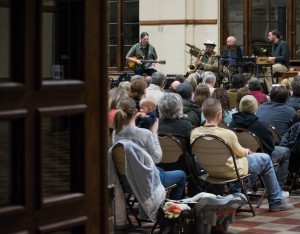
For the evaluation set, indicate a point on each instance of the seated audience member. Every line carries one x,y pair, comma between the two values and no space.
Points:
239,80
173,86
222,95
125,129
277,112
248,162
125,85
156,88
148,80
171,121
136,77
291,139
146,117
294,100
241,92
247,119
256,90
192,79
171,118
287,83
191,111
138,90
115,95
180,78
210,81
201,93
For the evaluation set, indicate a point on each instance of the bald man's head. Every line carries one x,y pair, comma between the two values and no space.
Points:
231,41
174,85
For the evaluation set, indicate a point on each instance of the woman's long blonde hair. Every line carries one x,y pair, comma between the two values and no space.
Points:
126,110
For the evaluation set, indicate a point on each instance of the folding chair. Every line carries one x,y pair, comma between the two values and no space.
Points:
212,151
223,124
118,158
175,156
249,140
275,134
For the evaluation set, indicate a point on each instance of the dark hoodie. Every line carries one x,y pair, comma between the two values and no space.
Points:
192,112
250,122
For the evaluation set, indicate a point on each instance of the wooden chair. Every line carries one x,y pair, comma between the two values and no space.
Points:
212,151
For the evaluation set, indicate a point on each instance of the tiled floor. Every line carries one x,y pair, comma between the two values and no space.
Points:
264,222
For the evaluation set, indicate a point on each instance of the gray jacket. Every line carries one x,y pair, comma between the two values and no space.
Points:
143,177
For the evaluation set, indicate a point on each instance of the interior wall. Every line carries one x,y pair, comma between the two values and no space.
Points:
172,23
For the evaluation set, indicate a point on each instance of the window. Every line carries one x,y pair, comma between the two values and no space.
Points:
123,31
265,18
251,20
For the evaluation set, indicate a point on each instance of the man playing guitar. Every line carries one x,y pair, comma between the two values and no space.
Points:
141,52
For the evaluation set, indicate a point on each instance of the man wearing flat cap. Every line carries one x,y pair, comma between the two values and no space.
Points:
207,60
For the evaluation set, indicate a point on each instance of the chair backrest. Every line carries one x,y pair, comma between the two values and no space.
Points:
118,157
275,133
171,148
248,140
223,124
212,151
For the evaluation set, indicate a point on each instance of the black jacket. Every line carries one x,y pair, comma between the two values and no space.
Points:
291,139
192,112
250,121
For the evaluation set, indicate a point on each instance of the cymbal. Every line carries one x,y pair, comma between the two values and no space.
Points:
192,46
189,45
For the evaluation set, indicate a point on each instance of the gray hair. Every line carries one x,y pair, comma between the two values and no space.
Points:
170,106
209,79
136,77
159,78
296,86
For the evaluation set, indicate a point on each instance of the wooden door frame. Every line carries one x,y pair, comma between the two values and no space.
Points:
26,93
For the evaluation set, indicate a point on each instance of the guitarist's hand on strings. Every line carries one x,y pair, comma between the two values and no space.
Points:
138,62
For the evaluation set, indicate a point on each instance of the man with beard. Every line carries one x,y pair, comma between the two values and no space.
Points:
207,60
139,52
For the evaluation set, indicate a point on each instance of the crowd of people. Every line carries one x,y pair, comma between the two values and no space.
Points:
195,105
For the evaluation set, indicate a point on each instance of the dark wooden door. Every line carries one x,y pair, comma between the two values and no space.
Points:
53,101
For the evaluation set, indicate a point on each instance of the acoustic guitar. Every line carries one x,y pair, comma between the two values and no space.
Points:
132,65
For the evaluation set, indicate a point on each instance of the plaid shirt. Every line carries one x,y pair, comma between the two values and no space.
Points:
140,52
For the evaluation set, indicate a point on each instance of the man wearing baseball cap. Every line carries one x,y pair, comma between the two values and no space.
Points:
207,60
